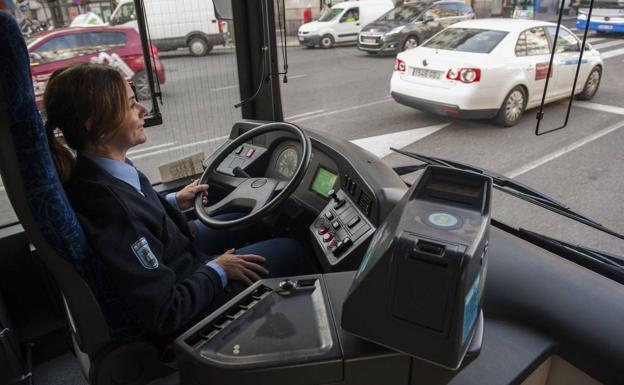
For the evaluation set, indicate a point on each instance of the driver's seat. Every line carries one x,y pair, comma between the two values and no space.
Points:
97,316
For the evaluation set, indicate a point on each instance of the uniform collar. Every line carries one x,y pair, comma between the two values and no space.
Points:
123,171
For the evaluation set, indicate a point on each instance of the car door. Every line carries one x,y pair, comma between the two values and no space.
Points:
532,52
567,54
449,14
431,21
348,25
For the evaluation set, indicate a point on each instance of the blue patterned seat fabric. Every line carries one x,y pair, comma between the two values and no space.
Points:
44,192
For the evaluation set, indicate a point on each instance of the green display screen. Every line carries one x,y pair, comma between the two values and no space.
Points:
323,181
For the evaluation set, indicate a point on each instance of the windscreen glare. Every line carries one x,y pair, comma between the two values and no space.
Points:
466,40
404,13
331,14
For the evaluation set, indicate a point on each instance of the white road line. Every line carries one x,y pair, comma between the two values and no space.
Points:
608,44
599,107
342,110
179,147
571,147
614,53
150,148
302,115
380,144
236,85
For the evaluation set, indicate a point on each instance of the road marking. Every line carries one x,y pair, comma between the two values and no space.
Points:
302,115
180,147
150,148
380,144
571,147
236,85
342,110
599,107
608,44
614,53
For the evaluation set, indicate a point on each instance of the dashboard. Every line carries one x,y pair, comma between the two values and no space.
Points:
364,188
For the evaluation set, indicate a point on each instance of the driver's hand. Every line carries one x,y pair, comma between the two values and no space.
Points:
186,197
244,268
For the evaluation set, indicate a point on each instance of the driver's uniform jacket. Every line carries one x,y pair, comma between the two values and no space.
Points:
127,229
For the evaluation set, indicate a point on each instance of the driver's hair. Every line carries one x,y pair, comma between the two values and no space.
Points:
88,103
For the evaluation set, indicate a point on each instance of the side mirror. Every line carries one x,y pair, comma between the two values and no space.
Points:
428,19
35,59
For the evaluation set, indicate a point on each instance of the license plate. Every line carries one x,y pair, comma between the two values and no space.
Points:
301,38
427,74
605,26
369,40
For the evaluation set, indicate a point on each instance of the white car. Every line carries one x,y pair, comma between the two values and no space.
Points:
493,68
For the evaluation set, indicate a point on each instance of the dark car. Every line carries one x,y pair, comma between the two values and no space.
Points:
410,25
119,47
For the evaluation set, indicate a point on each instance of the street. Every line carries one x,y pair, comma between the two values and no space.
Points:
346,92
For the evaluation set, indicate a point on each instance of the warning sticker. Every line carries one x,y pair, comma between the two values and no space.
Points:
471,305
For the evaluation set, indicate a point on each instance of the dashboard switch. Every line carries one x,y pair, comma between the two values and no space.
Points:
322,230
250,152
329,215
238,150
339,204
353,221
327,237
336,225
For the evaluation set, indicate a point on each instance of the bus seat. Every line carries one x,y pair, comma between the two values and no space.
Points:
97,317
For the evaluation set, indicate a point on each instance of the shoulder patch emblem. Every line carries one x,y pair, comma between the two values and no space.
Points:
145,255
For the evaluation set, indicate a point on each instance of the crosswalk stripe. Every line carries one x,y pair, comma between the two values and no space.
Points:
608,44
614,53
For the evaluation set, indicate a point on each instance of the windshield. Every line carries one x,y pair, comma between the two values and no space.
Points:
331,14
407,12
466,40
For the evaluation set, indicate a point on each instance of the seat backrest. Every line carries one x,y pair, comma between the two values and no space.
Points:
37,196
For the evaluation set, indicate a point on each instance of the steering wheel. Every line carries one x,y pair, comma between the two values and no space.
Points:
256,194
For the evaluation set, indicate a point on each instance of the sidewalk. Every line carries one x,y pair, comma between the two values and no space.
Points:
552,17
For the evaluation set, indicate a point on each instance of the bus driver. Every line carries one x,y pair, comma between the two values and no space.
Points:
153,259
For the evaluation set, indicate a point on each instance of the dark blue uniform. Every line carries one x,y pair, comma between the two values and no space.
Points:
149,251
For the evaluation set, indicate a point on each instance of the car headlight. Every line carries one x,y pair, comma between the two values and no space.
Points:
395,30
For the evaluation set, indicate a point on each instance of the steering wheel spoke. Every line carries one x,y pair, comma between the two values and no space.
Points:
228,181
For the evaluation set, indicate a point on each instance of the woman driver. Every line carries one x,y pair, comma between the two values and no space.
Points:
145,242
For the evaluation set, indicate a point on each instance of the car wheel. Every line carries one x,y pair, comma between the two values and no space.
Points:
411,42
141,85
327,41
591,85
198,46
512,108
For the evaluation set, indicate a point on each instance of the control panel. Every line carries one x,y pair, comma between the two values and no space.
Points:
340,228
241,157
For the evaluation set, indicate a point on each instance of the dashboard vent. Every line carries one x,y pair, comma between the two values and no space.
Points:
365,202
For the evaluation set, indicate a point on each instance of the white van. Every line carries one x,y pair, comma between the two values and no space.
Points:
342,22
176,23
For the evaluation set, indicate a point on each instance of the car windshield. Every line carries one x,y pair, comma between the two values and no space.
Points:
407,12
466,40
331,14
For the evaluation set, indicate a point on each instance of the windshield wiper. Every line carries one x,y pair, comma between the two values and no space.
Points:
515,188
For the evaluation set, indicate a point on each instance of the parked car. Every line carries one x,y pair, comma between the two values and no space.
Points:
411,24
116,46
493,68
176,24
341,23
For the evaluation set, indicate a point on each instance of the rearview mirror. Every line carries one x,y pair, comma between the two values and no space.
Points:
223,9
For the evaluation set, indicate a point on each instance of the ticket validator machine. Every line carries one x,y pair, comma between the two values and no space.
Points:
413,305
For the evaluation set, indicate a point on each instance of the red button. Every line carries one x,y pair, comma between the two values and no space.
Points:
322,230
327,237
250,152
331,245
